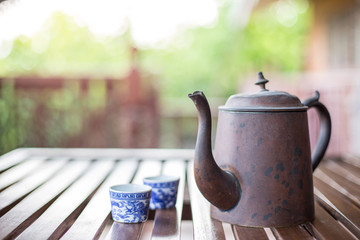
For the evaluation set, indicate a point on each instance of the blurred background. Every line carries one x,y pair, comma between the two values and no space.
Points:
117,73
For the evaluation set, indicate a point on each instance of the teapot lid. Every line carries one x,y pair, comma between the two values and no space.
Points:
263,101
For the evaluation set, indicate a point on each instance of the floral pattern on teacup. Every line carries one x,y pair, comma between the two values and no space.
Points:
130,211
163,195
163,198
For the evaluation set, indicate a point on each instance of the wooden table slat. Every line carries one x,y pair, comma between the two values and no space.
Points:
138,153
249,233
339,188
97,210
13,222
48,225
167,222
338,205
133,231
352,160
326,227
291,233
12,158
33,181
147,168
120,231
205,228
19,172
348,171
349,188
44,195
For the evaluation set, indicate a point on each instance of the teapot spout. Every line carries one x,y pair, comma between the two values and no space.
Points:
219,187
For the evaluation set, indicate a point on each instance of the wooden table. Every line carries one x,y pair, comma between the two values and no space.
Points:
63,193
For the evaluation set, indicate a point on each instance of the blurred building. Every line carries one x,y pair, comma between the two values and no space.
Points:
334,41
333,66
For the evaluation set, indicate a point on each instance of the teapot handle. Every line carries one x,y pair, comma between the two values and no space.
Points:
325,128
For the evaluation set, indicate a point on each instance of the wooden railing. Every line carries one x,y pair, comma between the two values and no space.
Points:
77,112
45,112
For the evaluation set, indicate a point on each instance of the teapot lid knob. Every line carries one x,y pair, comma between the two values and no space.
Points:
262,81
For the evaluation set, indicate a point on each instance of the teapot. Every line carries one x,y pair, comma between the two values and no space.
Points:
260,172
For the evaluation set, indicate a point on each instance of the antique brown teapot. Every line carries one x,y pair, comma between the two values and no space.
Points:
261,171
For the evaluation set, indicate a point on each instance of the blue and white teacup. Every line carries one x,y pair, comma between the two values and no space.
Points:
130,203
164,191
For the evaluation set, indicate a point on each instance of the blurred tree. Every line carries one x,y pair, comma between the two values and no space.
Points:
213,59
65,48
210,58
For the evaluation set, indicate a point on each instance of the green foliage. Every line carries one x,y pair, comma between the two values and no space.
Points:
272,46
215,59
47,118
65,48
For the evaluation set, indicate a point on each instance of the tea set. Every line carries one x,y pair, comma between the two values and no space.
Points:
260,171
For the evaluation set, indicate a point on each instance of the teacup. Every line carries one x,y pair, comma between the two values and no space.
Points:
130,203
164,191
